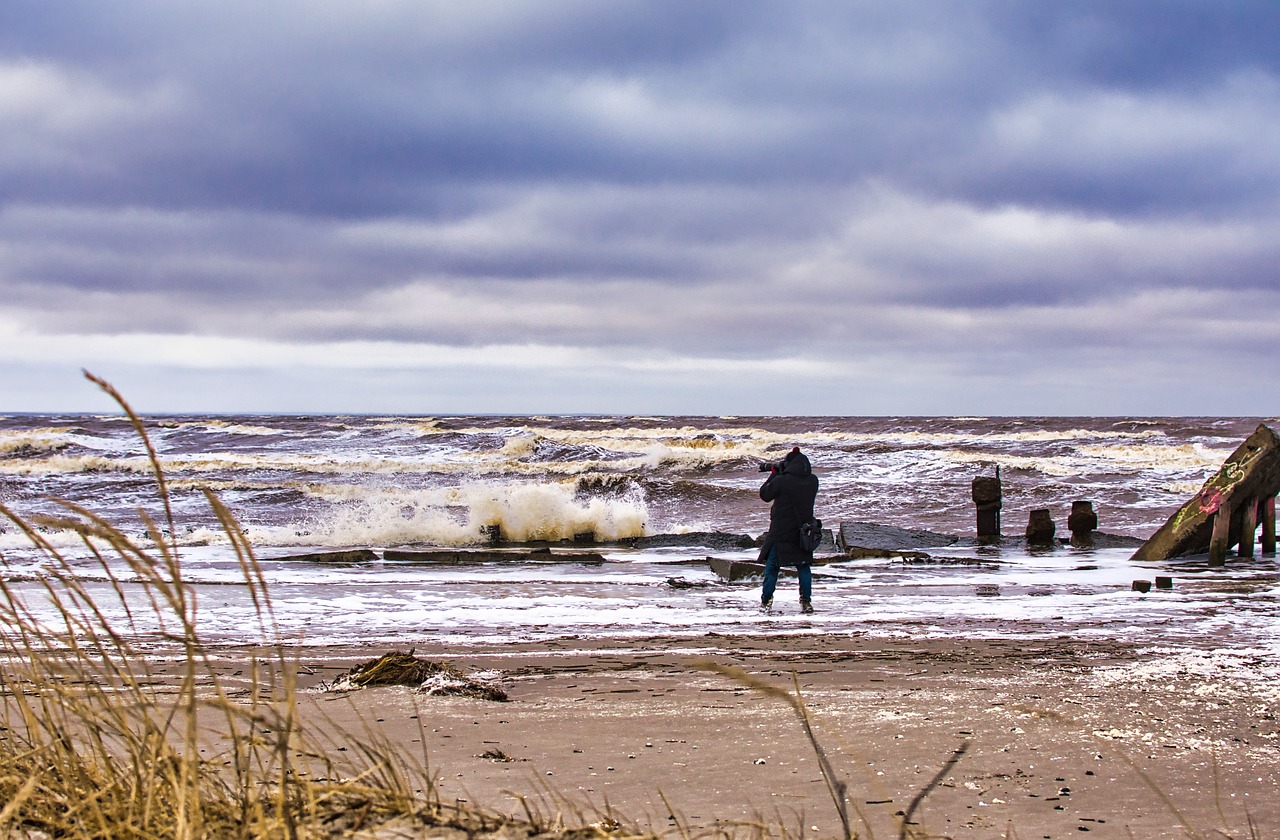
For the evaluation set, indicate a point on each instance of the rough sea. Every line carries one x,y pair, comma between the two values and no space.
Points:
298,484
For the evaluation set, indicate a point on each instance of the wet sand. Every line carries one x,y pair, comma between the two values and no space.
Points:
1063,736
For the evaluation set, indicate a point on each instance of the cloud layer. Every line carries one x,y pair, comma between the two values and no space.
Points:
873,207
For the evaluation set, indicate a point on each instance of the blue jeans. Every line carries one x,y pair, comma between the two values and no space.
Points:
771,569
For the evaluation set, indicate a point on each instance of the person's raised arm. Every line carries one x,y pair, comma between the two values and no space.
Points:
769,490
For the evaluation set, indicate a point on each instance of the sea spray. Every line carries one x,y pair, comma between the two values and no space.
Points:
459,515
546,511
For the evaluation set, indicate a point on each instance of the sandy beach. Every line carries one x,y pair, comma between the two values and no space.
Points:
1063,736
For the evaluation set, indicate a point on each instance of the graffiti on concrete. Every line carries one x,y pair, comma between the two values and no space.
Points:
1215,489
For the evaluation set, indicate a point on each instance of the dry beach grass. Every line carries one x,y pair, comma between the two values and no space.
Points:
101,739
111,733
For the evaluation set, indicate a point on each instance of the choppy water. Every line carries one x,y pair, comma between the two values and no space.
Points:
380,482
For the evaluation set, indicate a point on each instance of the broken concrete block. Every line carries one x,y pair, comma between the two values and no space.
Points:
1250,474
987,497
1082,522
1040,528
348,555
734,569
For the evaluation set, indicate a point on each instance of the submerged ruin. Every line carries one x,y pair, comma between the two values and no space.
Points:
1228,509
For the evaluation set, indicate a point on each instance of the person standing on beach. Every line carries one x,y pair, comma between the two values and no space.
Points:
792,488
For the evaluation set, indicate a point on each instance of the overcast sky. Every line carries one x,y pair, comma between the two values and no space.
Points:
641,207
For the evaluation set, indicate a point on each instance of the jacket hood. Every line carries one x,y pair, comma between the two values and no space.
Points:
798,464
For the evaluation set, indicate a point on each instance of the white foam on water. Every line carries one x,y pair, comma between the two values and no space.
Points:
1188,457
71,464
450,516
352,525
630,450
689,444
13,539
350,464
932,439
34,440
639,449
439,461
418,425
1055,465
228,428
517,447
459,515
544,511
629,438
1027,597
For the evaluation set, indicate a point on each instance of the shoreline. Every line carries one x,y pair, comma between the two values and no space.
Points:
1079,702
1064,735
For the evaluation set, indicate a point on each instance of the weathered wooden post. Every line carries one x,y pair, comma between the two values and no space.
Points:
1268,517
1248,527
1082,523
1220,537
1040,528
987,495
1215,518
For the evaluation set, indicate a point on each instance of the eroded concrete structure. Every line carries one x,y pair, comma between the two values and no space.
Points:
1228,509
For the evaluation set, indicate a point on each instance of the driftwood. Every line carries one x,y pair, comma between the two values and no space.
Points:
397,668
1228,507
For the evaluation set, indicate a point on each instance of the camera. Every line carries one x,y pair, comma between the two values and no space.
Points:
778,465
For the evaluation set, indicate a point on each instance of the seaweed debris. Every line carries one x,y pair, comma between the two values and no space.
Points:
400,668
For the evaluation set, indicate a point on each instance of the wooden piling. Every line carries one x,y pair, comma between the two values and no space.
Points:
1082,522
1040,527
987,496
1267,521
1248,527
1220,540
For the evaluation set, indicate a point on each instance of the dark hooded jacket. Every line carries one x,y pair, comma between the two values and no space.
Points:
793,492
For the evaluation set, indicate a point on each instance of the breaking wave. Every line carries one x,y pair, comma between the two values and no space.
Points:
70,464
452,516
451,480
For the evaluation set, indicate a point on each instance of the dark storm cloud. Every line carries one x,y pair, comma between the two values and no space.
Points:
327,110
305,108
866,183
1141,45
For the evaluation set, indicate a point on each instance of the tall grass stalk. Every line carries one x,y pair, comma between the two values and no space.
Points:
836,786
99,740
